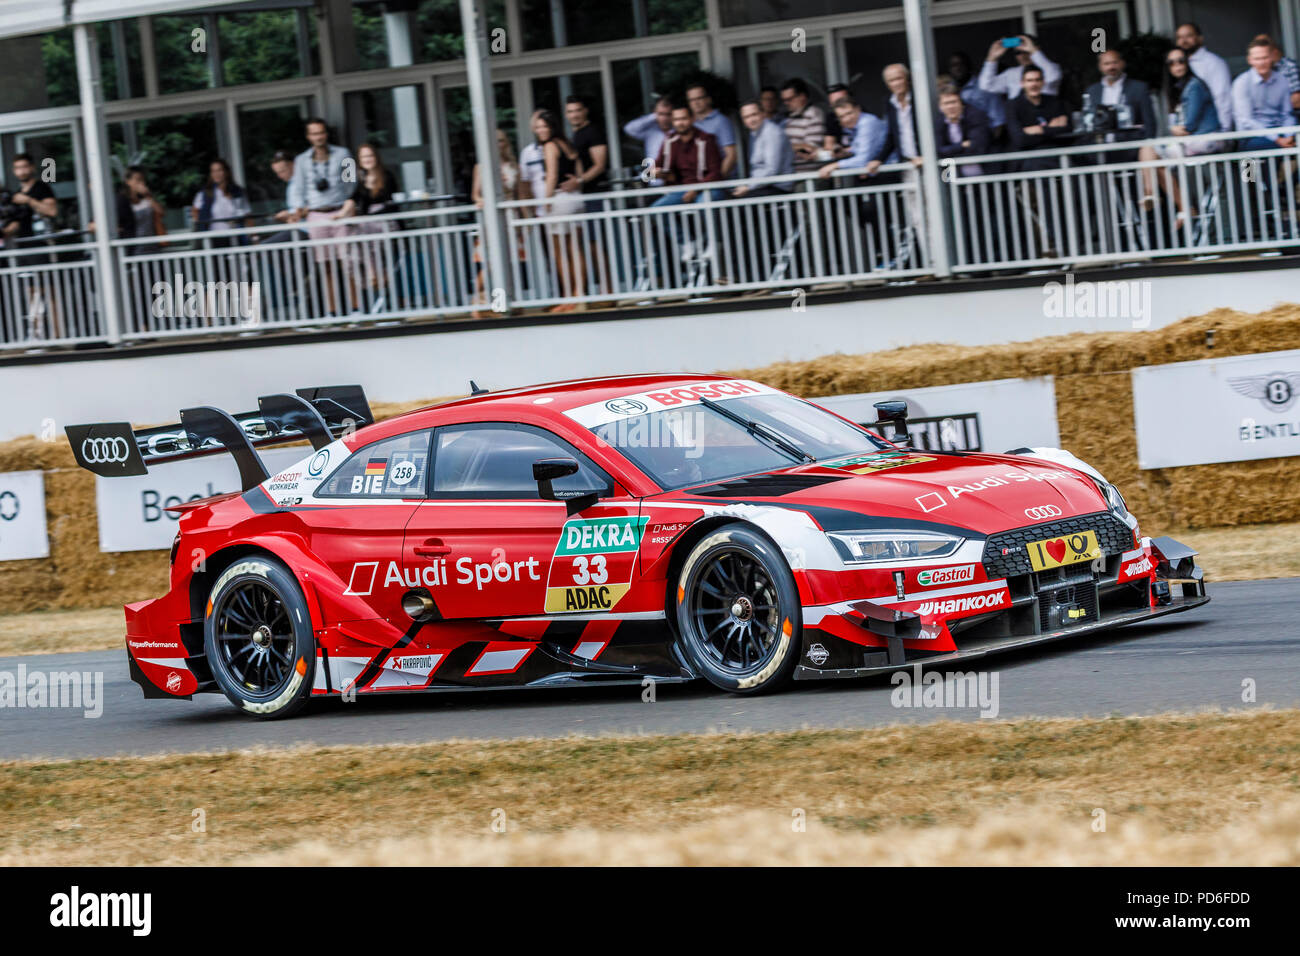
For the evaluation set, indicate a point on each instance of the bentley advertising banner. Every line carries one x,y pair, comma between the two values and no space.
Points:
131,510
992,416
1239,408
22,516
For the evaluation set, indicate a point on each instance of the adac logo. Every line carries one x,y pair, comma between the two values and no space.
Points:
1276,391
627,406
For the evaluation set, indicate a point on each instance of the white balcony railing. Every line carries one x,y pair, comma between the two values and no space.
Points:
49,293
1043,208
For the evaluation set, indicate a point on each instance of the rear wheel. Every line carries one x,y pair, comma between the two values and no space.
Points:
258,639
738,612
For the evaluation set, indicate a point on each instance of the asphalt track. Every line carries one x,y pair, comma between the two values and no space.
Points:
1190,661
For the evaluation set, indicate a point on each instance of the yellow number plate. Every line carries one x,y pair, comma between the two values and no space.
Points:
1067,549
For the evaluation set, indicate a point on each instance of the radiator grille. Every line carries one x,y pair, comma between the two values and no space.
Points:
1113,535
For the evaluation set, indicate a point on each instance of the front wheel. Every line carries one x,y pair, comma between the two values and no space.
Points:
738,611
258,638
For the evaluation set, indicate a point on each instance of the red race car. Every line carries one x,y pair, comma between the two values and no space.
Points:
628,529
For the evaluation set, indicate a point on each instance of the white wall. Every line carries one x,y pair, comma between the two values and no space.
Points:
151,389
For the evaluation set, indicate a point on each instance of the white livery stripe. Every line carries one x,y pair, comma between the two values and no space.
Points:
500,662
589,650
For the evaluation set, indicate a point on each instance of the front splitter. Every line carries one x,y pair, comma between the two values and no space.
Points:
1002,645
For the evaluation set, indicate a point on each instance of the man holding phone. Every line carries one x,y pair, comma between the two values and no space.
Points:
1008,82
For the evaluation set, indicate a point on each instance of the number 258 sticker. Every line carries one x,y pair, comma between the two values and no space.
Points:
402,473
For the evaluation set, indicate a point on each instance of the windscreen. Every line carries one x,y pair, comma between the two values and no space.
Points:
694,444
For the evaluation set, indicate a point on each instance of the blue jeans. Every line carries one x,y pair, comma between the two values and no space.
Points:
675,199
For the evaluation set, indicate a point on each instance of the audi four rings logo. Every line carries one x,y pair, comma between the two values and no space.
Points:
103,451
1043,511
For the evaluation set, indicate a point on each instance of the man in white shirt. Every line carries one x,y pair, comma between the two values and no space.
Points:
1007,83
1210,67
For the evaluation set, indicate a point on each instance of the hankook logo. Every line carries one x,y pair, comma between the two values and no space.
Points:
101,451
627,406
1043,512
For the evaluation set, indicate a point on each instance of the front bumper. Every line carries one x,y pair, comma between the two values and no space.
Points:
1032,611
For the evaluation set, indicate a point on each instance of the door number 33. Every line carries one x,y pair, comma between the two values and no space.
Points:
590,570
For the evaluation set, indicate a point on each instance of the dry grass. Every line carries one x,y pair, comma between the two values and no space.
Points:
1227,554
1204,788
58,632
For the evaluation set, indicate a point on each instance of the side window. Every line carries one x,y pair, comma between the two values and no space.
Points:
392,468
496,461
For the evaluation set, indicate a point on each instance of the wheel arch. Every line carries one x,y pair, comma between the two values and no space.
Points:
281,550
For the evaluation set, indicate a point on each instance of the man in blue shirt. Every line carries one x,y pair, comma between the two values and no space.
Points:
709,120
866,134
1261,98
769,152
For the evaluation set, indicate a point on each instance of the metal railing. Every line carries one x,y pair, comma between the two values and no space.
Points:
1071,206
301,274
646,244
49,293
1108,202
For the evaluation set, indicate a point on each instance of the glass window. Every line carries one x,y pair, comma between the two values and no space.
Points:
693,445
120,63
736,13
266,45
618,20
263,129
866,56
181,54
392,468
458,117
39,72
496,461
1228,27
770,64
1066,39
174,152
386,35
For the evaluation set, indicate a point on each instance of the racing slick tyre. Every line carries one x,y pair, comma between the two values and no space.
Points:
738,611
258,638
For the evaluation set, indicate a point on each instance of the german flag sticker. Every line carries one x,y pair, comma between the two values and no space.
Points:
376,466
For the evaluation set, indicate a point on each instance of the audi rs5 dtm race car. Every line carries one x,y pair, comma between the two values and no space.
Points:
612,530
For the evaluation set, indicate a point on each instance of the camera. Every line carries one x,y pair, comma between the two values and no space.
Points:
321,184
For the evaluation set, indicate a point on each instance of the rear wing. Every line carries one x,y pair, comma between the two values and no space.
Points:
319,415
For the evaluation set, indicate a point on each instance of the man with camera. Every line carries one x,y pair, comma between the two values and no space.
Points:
323,179
20,207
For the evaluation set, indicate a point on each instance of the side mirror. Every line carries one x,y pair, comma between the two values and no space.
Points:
894,413
547,470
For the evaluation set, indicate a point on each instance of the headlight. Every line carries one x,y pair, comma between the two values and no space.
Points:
1113,498
863,546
